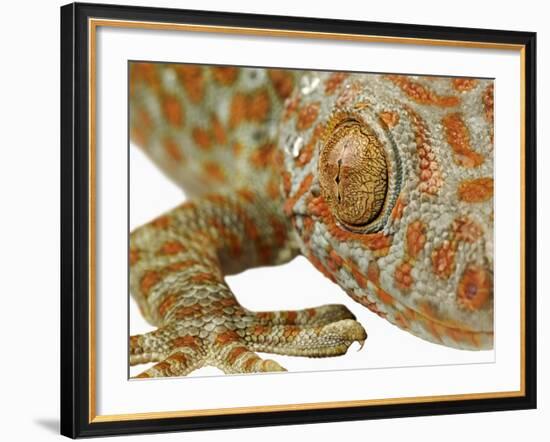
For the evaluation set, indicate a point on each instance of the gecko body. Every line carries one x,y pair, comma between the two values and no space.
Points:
384,182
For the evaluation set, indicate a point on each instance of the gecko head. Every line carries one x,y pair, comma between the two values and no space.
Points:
382,207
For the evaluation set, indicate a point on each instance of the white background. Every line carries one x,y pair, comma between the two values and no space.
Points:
29,238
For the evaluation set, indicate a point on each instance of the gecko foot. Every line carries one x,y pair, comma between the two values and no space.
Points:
228,337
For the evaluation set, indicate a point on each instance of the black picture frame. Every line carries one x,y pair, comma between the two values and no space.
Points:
75,219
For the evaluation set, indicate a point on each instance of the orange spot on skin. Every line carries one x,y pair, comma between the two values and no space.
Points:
191,311
258,106
334,81
203,277
466,230
134,344
226,337
402,321
390,119
139,136
458,137
427,310
420,94
218,131
264,316
291,317
409,314
216,198
237,148
402,276
186,341
213,171
319,266
273,189
162,222
166,304
250,362
134,256
434,329
179,358
307,116
262,156
141,128
430,177
283,82
191,77
443,260
308,228
237,112
225,75
172,110
279,231
464,84
247,194
201,138
475,288
181,265
228,302
148,280
373,273
251,230
172,149
145,119
359,278
416,238
286,183
290,332
307,152
145,72
235,248
278,161
385,297
334,261
235,353
171,248
349,94
253,107
475,191
291,106
379,243
304,186
163,367
397,211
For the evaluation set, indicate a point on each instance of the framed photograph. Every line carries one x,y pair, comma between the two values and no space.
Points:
275,220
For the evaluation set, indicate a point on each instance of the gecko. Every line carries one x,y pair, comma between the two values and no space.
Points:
384,182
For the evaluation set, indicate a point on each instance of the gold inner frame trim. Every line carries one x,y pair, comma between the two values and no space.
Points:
93,24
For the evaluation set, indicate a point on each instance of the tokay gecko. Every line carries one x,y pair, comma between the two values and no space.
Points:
383,182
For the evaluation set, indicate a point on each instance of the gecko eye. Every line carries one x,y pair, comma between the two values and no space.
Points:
353,174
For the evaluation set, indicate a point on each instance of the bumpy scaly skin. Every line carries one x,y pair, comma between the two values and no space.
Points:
261,193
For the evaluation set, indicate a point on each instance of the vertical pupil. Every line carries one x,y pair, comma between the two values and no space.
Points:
353,173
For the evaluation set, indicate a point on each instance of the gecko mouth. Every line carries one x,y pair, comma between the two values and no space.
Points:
424,325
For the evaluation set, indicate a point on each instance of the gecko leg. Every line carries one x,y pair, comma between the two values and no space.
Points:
178,263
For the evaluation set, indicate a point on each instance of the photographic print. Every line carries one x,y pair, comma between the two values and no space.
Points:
383,183
283,220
